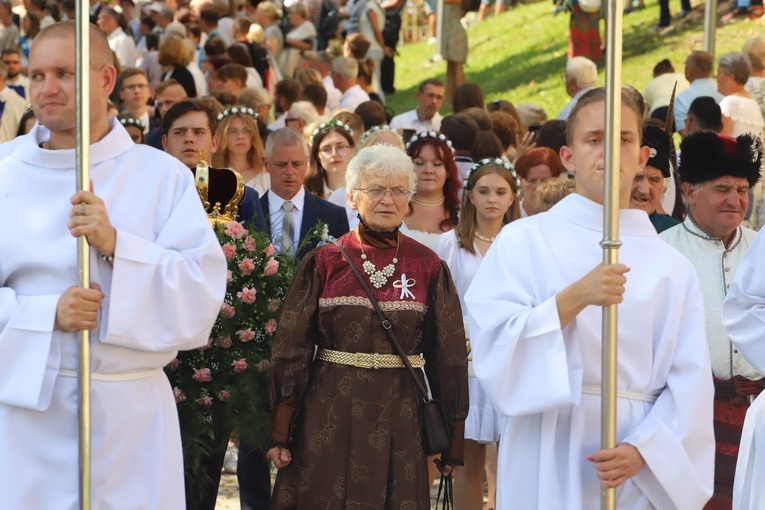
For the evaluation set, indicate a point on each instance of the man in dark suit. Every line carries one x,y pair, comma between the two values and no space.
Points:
289,209
286,160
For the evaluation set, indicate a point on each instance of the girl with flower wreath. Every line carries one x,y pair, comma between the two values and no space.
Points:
332,148
489,202
434,209
240,147
133,126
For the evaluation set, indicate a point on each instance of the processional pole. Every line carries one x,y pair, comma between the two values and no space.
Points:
610,242
82,164
710,26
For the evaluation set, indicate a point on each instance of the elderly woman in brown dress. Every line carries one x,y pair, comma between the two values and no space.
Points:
346,436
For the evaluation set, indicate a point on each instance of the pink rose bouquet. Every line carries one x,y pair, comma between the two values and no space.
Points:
223,385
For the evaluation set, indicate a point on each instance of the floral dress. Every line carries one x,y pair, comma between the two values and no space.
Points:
354,433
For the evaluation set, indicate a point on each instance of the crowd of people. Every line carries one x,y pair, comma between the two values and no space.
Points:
475,233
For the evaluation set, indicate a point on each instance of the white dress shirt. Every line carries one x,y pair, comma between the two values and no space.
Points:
124,46
411,120
353,97
333,95
566,111
276,215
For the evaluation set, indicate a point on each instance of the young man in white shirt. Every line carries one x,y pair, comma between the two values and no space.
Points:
430,98
535,324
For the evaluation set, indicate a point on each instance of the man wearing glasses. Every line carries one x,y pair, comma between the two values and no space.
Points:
134,92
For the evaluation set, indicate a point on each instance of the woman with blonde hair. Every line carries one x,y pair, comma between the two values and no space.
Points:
489,202
173,56
297,40
380,135
267,16
308,76
240,147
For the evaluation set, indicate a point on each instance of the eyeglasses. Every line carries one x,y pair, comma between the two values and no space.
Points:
339,149
137,86
377,193
236,132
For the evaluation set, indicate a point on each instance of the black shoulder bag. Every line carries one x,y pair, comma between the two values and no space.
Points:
436,438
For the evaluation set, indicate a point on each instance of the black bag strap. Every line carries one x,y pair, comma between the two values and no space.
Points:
384,321
447,487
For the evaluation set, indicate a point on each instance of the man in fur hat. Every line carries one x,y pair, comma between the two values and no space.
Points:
648,184
716,173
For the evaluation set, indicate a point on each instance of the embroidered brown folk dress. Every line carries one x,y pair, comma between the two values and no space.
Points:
356,438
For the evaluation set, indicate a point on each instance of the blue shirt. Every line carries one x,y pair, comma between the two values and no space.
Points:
699,88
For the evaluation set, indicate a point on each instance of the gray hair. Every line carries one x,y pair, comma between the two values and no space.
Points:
252,97
734,64
754,53
305,111
583,71
531,114
383,161
284,137
346,67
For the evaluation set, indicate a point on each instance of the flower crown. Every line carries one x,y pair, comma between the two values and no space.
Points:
330,124
375,129
238,109
133,122
493,161
430,134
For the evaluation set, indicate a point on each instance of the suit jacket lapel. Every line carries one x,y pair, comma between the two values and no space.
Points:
266,211
310,214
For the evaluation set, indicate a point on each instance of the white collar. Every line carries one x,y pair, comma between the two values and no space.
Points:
275,201
582,211
116,141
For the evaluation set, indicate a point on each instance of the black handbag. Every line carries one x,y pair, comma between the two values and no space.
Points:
436,439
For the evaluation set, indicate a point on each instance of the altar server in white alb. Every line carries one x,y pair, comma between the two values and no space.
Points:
535,319
158,280
717,172
743,316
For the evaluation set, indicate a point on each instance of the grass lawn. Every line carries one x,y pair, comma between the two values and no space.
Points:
521,55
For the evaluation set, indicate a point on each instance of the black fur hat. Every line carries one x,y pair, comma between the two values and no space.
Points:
706,156
658,141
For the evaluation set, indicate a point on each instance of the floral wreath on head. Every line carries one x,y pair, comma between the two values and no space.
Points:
327,125
375,129
237,110
493,161
430,134
133,122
